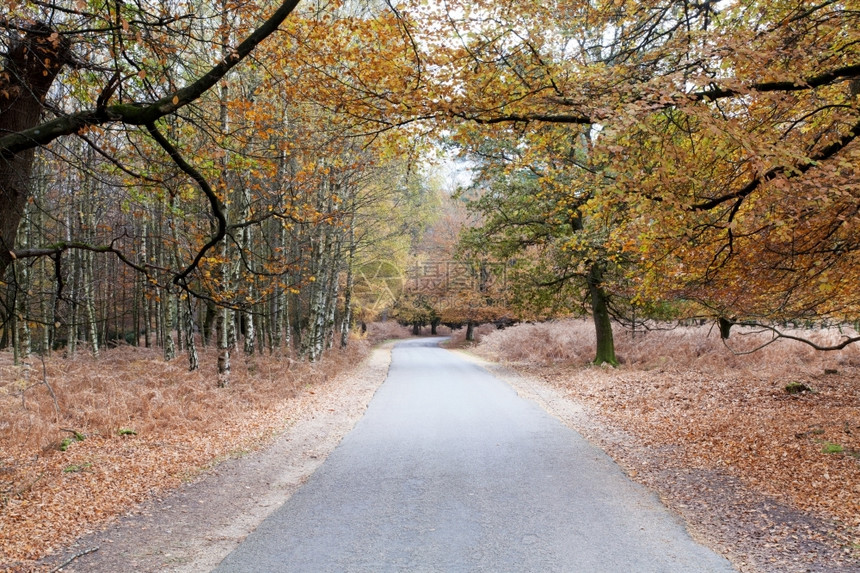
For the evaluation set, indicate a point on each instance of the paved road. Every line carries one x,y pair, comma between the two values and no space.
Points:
449,470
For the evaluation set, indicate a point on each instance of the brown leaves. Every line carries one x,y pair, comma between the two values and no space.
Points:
182,423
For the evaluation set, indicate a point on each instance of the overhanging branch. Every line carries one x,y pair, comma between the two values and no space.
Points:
214,202
142,113
777,335
782,170
63,246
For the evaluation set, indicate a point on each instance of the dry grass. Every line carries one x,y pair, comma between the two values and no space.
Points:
680,348
388,330
458,336
691,404
134,388
181,422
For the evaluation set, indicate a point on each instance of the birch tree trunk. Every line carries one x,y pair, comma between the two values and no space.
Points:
224,323
47,312
333,286
191,346
221,327
22,285
245,242
147,322
346,321
87,223
168,322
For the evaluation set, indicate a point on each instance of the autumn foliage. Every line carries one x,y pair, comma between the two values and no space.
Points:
205,177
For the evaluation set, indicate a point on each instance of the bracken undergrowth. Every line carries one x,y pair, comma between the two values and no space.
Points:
84,439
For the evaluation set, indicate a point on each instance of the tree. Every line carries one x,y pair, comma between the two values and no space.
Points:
532,208
726,143
720,150
253,235
35,57
724,131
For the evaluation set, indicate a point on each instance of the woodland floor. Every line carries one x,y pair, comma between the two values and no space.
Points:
185,429
718,438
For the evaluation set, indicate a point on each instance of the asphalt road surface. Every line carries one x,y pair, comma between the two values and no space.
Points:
449,470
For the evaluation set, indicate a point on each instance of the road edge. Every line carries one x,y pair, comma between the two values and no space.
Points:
192,528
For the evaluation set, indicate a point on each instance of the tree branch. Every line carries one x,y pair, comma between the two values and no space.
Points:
214,202
846,72
776,335
787,171
141,113
63,246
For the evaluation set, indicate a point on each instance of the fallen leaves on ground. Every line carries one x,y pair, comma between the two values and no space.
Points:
147,426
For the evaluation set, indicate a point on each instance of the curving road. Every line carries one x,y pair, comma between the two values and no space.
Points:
449,470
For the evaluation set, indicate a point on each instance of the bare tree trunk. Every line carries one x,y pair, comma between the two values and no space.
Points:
221,327
191,347
250,331
346,322
180,322
87,275
209,321
21,272
90,303
288,327
32,63
224,323
72,324
168,321
274,324
147,321
47,312
16,334
165,299
245,242
333,292
314,338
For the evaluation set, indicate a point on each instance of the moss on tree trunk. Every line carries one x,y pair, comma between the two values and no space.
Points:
602,322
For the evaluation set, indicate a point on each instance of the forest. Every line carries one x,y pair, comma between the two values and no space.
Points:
224,171
233,184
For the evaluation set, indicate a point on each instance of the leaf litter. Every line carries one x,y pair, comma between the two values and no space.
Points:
147,427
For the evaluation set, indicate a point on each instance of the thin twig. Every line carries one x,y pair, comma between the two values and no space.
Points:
27,487
73,557
51,390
